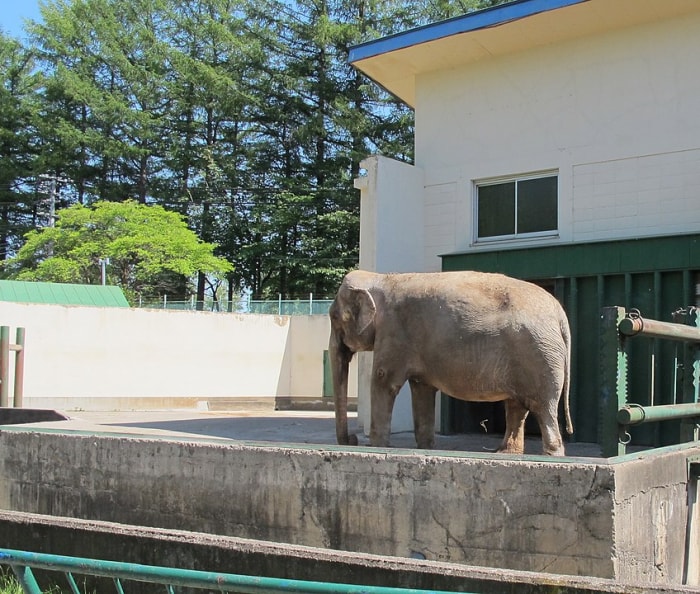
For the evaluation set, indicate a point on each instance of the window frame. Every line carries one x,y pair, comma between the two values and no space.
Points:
492,181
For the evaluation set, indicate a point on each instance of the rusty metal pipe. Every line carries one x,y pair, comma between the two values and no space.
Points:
638,326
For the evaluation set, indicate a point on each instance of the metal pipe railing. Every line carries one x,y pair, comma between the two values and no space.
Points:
22,562
618,325
634,325
634,414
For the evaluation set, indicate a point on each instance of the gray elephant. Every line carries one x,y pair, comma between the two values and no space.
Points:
475,336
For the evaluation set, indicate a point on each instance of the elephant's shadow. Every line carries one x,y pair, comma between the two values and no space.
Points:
320,430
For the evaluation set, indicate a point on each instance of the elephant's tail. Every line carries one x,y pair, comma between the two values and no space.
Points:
566,334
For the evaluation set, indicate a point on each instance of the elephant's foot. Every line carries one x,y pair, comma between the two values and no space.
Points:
556,452
514,438
379,440
512,445
425,443
552,443
553,448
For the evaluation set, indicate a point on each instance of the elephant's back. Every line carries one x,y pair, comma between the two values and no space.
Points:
471,293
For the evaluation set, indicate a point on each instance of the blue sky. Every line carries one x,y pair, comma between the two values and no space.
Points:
13,13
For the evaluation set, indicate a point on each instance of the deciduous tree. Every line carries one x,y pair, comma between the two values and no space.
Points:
151,251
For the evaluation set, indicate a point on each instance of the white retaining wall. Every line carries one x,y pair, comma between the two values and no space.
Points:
93,358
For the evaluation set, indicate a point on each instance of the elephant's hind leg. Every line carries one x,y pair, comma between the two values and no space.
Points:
514,439
552,443
423,401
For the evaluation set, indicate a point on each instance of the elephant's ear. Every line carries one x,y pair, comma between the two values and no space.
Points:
366,309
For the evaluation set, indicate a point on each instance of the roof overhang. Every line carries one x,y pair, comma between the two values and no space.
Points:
394,62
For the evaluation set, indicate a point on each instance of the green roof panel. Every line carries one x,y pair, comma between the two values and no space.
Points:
62,294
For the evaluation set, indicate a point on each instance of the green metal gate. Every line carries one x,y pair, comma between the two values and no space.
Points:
656,275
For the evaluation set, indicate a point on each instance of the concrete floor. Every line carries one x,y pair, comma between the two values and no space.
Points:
303,427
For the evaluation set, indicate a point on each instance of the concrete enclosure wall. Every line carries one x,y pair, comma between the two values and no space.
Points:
93,358
568,516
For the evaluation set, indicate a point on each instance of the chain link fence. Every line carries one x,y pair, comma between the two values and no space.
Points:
282,307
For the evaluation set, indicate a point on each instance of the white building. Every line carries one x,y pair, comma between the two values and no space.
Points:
556,141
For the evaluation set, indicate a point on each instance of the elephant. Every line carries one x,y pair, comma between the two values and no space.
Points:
475,336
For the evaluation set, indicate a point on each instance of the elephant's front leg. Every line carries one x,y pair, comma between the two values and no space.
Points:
423,401
384,389
514,439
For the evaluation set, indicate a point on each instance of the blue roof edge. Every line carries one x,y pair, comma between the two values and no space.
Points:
472,21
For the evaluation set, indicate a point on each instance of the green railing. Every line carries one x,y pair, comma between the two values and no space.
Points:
618,412
278,307
23,563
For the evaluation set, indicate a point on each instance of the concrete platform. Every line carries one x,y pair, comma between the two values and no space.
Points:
303,427
277,477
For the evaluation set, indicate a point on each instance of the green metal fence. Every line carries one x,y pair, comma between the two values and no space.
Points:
620,410
23,563
656,275
278,307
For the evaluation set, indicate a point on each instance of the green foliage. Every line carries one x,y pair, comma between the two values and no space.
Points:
18,118
9,583
151,251
244,116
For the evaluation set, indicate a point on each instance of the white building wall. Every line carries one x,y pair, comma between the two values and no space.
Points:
391,216
391,240
616,115
637,197
100,358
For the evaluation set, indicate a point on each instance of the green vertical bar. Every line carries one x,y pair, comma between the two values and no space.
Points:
4,366
26,579
327,376
573,315
72,583
655,348
613,381
691,378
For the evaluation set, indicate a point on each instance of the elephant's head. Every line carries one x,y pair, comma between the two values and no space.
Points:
352,314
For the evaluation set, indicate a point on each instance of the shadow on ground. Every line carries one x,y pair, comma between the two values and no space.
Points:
321,430
249,428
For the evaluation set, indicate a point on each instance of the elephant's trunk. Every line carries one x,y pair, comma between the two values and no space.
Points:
340,356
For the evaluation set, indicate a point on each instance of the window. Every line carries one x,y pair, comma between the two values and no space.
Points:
517,207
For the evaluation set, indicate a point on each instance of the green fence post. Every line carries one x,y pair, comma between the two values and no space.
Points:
613,381
4,366
690,392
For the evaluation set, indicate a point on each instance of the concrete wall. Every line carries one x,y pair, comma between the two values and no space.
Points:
226,554
569,516
94,358
652,521
182,549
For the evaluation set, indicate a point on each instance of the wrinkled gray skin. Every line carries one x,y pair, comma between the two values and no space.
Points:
475,336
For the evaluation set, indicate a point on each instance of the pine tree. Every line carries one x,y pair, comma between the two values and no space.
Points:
18,119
